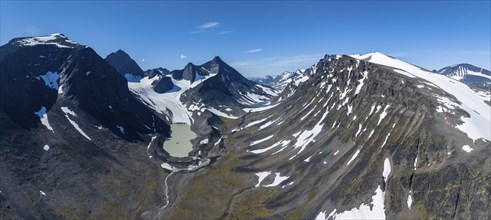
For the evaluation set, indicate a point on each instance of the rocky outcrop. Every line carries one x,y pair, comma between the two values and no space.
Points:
226,88
189,73
163,85
157,72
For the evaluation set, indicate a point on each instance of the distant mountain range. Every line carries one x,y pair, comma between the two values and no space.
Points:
473,76
279,81
350,137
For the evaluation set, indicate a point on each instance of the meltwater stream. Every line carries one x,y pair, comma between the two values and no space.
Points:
178,145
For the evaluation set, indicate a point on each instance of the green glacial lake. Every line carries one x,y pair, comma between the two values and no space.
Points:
179,144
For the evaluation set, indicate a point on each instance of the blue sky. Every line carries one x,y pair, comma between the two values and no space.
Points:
260,38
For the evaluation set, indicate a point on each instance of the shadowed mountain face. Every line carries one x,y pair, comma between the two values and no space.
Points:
126,66
225,87
44,73
475,77
72,134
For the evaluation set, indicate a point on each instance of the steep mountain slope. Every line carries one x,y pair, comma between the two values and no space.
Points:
126,66
473,76
362,137
227,88
71,134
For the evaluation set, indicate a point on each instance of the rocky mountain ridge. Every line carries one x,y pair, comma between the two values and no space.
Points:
363,136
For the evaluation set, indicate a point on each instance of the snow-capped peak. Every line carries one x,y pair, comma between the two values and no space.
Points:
56,39
382,59
461,71
477,126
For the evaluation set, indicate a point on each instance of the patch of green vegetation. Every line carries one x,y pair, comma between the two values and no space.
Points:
421,210
212,188
112,210
252,204
296,213
67,212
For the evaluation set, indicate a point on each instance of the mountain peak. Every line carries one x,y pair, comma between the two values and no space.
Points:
59,35
217,59
56,39
124,64
120,51
473,76
467,65
463,67
370,56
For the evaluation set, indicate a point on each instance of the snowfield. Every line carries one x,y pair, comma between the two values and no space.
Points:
48,40
169,100
43,116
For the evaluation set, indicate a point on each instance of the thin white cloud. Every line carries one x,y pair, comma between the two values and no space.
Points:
197,32
208,25
224,32
143,60
245,63
183,56
32,30
255,50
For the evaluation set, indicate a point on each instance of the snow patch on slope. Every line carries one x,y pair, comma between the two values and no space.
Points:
43,116
375,210
221,114
261,176
261,140
353,157
277,180
67,112
467,148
